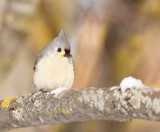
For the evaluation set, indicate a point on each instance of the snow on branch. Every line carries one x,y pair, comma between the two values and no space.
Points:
43,108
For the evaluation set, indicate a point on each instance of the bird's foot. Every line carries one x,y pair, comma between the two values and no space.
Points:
43,90
36,94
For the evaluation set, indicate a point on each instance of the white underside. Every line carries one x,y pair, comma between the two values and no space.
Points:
58,90
54,73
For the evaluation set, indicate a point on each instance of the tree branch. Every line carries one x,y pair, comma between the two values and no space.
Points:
43,108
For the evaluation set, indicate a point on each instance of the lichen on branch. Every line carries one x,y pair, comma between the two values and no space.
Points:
44,108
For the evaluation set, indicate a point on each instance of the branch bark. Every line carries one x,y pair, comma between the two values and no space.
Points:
43,108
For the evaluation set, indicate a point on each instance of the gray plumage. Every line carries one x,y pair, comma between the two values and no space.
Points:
60,41
53,67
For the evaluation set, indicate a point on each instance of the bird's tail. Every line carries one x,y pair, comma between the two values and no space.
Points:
34,87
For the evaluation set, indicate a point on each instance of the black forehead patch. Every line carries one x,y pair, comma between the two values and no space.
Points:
67,51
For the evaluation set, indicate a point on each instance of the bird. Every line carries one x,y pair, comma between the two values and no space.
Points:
53,67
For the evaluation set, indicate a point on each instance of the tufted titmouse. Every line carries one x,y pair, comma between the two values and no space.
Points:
54,67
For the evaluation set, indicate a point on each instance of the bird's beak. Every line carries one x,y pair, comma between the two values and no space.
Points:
67,53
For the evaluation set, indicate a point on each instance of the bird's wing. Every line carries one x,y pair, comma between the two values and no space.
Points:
37,60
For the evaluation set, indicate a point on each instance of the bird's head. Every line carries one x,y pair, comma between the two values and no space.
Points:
59,46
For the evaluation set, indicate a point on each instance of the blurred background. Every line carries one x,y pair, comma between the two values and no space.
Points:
110,39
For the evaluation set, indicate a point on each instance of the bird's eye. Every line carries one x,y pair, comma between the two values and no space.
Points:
59,49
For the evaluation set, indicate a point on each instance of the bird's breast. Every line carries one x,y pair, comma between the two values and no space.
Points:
55,65
54,72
